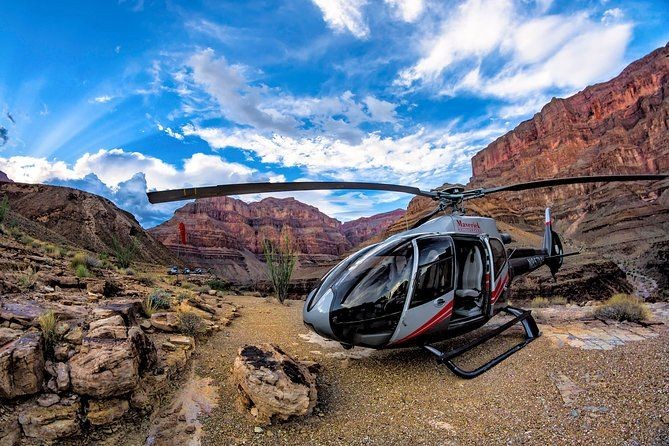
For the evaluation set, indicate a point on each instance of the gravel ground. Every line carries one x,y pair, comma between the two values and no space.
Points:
400,397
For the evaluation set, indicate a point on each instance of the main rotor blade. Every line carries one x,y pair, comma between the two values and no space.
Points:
255,188
427,218
568,180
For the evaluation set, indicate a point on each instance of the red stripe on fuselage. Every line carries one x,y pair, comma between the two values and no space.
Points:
498,290
440,316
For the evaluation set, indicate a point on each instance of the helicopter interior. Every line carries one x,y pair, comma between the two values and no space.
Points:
469,296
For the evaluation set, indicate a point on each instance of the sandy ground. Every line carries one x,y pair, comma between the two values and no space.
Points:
545,394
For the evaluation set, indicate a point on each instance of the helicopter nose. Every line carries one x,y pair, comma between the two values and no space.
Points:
317,316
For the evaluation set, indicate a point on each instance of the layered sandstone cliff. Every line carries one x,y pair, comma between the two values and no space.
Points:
616,127
227,234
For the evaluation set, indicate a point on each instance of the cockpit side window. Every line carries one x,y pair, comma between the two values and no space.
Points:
498,255
435,270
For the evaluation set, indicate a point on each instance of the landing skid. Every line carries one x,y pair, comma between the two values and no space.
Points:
522,316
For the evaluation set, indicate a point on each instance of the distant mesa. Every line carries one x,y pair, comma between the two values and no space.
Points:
226,234
4,178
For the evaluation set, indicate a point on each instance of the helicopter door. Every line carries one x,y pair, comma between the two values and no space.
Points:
431,296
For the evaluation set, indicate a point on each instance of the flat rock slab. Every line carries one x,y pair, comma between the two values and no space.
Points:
597,335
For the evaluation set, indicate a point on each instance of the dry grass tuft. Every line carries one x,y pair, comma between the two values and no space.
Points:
623,307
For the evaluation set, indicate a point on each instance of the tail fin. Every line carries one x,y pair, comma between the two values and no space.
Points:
552,246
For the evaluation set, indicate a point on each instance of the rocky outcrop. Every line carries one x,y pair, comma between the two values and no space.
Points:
272,384
22,366
53,419
4,178
363,229
616,127
83,219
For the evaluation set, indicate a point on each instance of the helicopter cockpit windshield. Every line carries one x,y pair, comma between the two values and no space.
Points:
371,292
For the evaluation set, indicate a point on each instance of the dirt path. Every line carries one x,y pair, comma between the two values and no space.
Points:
545,394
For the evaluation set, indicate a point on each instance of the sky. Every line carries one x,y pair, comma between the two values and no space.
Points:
123,96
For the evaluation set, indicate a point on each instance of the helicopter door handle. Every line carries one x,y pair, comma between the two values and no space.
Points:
441,301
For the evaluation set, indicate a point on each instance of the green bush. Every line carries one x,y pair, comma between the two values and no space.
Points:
540,302
146,281
160,299
81,271
190,323
218,285
4,208
281,259
124,254
623,307
149,306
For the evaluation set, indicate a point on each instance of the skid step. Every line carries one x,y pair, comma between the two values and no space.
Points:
520,315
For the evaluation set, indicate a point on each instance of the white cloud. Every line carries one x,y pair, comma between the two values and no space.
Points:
425,157
170,132
115,166
474,29
407,10
345,15
269,109
102,99
496,48
612,15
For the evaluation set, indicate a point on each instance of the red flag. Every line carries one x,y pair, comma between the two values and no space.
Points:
182,233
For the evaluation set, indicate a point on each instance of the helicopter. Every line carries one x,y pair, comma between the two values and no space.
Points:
442,278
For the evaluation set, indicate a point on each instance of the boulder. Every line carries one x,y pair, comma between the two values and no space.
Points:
129,309
22,366
75,336
165,321
144,348
8,335
101,412
272,383
51,423
104,368
108,332
62,376
11,431
111,321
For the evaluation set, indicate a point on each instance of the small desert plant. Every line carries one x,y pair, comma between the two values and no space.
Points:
149,306
161,299
558,300
83,259
124,254
540,302
190,323
27,279
204,289
146,281
187,285
4,208
623,307
218,285
49,248
182,297
47,322
81,271
129,272
281,259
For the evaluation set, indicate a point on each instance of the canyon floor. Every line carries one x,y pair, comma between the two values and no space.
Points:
582,382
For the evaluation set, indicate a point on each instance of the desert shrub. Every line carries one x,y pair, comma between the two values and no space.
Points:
187,285
190,323
35,243
146,281
149,306
49,248
83,259
218,285
47,322
129,272
27,279
558,300
124,254
25,239
182,297
540,302
4,208
281,259
161,299
623,307
81,271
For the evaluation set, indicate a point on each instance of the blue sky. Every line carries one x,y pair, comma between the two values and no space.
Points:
118,97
